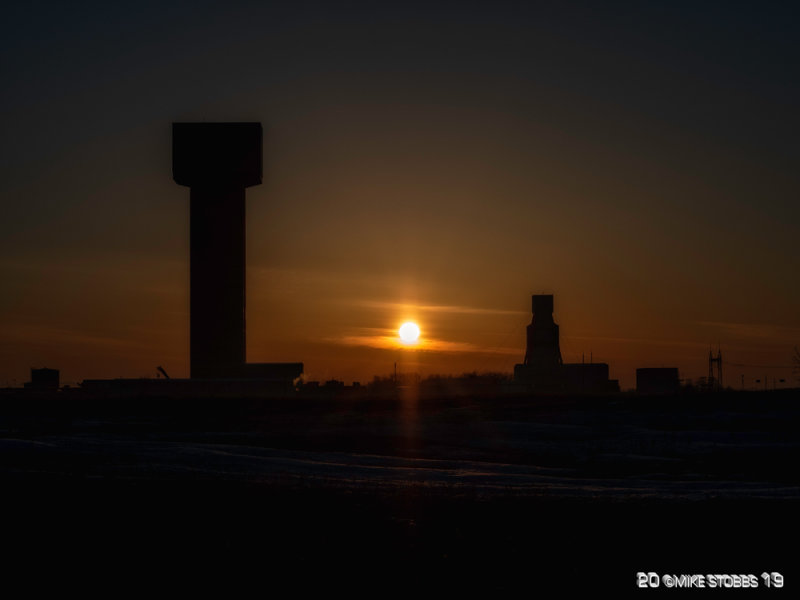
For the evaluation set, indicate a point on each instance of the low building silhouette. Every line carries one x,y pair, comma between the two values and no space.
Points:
590,377
662,380
279,385
43,380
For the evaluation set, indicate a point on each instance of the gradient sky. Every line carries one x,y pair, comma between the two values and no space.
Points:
439,161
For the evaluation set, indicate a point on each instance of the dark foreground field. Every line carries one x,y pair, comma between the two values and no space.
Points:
407,494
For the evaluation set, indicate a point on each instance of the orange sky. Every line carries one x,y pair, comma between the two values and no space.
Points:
428,165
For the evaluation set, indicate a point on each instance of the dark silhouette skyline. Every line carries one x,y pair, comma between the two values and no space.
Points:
437,162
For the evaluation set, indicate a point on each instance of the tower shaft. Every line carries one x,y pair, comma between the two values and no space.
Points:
542,350
217,295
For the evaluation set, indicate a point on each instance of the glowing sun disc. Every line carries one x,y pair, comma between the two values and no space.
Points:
409,332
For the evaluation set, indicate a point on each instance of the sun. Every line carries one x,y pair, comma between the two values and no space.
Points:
409,332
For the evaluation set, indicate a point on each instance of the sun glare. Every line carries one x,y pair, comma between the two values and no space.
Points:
409,333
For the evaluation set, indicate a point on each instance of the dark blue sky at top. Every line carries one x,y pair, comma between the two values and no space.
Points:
725,68
693,86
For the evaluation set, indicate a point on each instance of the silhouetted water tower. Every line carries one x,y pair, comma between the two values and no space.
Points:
219,161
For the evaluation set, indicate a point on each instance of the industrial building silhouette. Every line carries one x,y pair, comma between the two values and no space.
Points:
43,379
657,380
219,161
544,370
